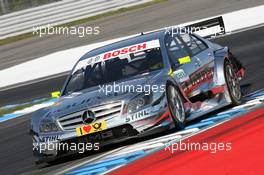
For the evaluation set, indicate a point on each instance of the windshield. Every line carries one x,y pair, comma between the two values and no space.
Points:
115,66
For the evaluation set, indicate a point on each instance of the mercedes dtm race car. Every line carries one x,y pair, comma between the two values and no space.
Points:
135,87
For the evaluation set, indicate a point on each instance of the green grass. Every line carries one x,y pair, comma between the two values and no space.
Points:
10,110
82,21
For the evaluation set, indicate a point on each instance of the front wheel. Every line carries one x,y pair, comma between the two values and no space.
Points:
176,107
233,83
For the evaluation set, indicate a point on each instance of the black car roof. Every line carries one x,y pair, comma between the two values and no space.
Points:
124,43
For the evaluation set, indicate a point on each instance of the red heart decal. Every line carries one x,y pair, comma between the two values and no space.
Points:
87,128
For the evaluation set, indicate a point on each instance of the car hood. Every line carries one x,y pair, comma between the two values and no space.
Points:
94,96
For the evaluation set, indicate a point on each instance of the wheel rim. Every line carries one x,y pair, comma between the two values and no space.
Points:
233,83
176,104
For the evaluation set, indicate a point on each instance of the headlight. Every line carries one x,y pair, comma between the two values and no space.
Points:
48,126
138,102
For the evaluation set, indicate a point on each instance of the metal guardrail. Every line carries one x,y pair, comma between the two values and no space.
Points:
9,6
57,13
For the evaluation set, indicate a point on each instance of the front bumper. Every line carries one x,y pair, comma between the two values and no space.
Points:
50,147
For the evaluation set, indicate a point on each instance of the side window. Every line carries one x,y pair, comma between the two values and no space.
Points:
176,49
199,42
195,45
76,81
190,43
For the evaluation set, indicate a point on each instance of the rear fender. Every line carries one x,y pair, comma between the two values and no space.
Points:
220,56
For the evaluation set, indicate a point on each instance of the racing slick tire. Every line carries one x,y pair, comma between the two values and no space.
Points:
176,107
233,83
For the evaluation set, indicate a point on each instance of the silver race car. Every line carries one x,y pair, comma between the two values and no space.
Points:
135,87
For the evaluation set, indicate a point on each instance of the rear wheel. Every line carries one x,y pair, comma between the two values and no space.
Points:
233,83
176,107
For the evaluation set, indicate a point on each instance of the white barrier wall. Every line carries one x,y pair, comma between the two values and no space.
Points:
63,61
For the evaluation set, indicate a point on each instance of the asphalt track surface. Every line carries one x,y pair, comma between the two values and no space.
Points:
164,14
247,46
16,151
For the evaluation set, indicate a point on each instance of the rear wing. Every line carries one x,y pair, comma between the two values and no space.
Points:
208,28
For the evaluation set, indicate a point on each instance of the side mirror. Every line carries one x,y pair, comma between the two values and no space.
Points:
56,94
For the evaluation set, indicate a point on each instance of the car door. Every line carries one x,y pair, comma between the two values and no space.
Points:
181,61
203,62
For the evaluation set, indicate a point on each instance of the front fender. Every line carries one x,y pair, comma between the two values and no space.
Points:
173,81
36,117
